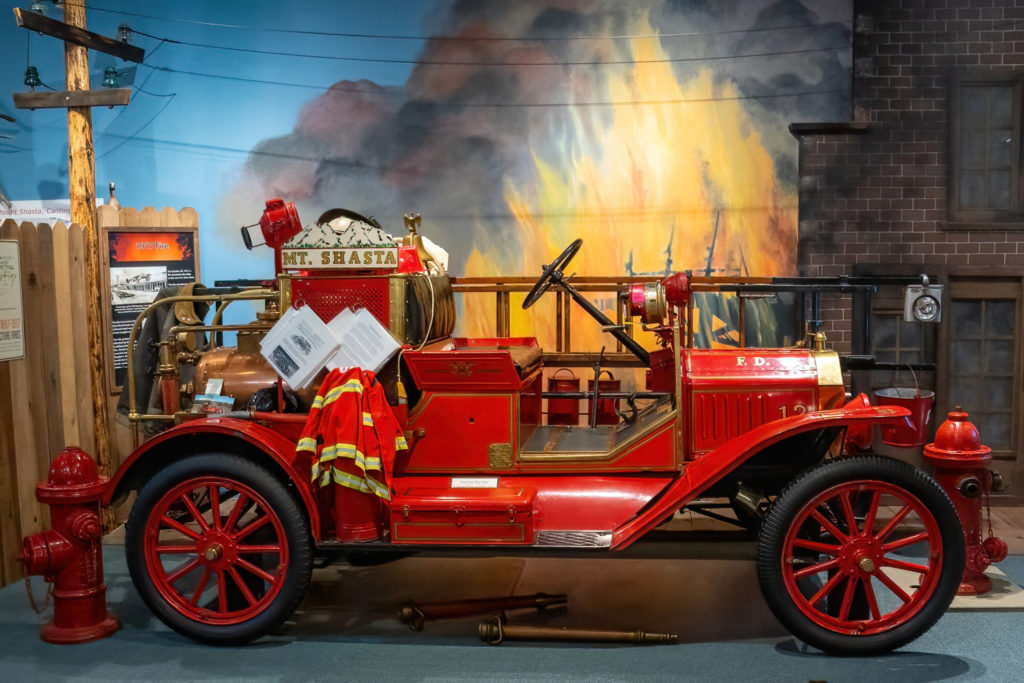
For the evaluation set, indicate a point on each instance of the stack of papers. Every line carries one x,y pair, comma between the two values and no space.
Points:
301,344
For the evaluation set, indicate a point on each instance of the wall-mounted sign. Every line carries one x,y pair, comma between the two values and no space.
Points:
12,322
141,262
38,211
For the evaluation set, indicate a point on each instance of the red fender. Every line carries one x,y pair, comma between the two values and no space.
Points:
276,446
709,468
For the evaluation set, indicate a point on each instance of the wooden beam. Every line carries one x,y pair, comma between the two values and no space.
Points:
114,97
78,36
82,188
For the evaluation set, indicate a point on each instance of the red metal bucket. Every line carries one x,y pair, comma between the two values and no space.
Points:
606,407
914,431
563,411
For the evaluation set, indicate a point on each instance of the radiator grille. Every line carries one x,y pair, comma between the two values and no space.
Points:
328,299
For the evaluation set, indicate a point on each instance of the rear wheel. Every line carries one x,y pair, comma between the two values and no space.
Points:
219,548
860,556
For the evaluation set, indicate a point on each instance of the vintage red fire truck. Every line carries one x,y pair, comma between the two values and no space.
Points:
448,448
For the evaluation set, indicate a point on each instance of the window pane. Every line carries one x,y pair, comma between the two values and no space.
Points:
998,394
910,334
994,430
967,392
999,190
999,318
966,357
999,357
972,190
884,336
973,107
1001,113
1000,147
966,319
972,149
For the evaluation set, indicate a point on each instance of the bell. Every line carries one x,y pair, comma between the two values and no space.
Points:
32,77
110,79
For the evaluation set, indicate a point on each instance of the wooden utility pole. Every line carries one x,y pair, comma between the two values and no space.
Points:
82,186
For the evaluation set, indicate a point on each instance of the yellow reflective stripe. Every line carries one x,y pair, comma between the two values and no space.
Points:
401,444
350,481
318,402
367,420
379,490
347,450
326,479
307,444
315,471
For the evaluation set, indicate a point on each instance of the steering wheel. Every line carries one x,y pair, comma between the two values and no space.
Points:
556,266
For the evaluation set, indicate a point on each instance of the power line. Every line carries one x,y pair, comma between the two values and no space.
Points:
425,62
476,39
495,105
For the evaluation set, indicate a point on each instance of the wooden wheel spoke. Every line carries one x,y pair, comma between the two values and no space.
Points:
816,569
190,504
869,593
222,592
253,569
827,588
236,512
904,542
268,548
179,527
892,586
825,548
201,587
249,597
829,527
851,519
175,549
893,523
844,609
215,505
183,570
251,527
908,566
869,520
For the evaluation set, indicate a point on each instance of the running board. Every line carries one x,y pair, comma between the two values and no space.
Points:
574,539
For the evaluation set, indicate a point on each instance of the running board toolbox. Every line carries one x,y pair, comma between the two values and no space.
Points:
501,516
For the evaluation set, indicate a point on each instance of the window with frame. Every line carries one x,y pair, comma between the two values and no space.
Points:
985,164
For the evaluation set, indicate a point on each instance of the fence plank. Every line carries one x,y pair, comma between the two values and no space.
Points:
169,218
128,217
149,217
10,515
188,218
50,344
65,347
79,340
28,407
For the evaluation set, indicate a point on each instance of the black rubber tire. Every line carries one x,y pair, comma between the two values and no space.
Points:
815,481
286,507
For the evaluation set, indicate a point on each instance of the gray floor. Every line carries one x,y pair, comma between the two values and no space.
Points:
347,629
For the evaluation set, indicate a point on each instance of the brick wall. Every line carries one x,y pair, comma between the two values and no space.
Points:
877,196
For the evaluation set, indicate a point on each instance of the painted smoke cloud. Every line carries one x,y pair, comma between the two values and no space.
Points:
512,148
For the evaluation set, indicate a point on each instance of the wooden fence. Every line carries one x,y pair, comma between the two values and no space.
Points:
45,401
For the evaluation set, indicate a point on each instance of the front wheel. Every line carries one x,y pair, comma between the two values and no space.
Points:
860,556
219,549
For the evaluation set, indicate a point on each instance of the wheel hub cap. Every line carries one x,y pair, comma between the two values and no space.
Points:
866,564
213,553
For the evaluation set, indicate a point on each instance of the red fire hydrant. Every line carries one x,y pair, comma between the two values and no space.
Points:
70,555
962,468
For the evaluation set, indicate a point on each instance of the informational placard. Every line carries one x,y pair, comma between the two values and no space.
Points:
12,322
38,211
141,262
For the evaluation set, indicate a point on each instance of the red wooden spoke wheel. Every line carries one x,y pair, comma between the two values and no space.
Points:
193,557
218,548
860,555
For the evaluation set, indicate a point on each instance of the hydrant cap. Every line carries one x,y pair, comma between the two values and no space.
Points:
958,435
73,467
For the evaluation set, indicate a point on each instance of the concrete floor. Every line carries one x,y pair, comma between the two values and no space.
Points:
347,629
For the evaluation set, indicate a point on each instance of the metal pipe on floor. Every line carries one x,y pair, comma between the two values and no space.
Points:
495,632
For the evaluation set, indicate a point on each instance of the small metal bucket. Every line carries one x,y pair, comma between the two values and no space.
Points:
563,411
913,431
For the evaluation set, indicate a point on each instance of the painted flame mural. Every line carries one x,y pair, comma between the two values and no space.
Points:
656,131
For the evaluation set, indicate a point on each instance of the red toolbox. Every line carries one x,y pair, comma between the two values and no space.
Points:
502,516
